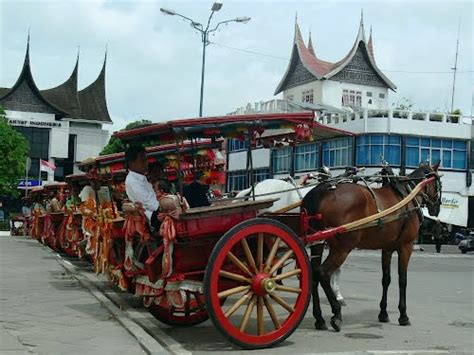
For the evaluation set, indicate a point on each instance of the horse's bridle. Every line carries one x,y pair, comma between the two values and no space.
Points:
426,201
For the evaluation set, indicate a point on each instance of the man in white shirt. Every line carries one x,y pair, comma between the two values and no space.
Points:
136,184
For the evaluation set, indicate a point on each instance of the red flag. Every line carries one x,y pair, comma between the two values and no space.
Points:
47,166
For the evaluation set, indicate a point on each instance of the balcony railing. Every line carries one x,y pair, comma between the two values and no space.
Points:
279,105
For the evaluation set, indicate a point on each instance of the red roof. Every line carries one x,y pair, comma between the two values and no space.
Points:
212,127
322,69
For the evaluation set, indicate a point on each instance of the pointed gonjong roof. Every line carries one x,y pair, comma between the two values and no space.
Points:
26,78
65,100
322,69
92,99
65,95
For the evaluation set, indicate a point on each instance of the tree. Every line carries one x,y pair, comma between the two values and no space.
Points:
13,152
115,145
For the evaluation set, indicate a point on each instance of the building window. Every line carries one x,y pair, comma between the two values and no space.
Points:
369,102
234,145
306,157
351,98
307,96
237,180
38,139
281,159
371,148
369,94
261,174
451,152
382,96
337,152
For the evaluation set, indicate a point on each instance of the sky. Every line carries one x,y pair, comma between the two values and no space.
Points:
154,60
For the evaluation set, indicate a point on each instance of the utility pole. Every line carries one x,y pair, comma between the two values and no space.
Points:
205,32
455,67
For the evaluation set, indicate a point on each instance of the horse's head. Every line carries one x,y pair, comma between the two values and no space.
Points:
431,193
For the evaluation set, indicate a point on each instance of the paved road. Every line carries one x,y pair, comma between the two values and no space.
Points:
44,310
440,306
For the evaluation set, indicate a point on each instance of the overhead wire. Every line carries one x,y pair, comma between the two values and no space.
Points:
286,60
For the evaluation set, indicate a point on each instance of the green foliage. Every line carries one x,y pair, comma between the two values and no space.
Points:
115,145
456,112
13,152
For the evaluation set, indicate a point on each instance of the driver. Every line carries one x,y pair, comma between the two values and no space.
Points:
137,187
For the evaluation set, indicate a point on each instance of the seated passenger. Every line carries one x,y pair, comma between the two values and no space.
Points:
137,187
54,206
170,204
196,194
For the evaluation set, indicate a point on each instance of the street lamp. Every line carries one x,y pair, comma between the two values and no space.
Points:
205,36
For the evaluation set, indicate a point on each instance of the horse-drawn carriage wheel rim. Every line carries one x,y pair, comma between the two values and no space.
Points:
219,254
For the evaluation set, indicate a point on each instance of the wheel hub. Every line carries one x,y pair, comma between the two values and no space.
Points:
262,284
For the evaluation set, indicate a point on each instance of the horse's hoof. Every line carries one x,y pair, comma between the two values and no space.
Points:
404,321
383,317
320,325
336,324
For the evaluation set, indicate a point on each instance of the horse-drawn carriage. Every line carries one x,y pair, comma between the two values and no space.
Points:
234,262
249,272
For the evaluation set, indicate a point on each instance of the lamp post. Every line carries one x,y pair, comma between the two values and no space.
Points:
205,32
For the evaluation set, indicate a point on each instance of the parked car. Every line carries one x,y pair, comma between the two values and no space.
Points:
467,244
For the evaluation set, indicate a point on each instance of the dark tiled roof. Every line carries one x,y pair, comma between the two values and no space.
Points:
88,104
26,76
65,95
92,100
4,91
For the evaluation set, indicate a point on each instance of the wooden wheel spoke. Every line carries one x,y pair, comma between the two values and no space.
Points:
272,254
238,304
280,262
281,302
233,291
260,241
260,320
248,312
248,254
288,289
271,311
287,274
233,276
238,263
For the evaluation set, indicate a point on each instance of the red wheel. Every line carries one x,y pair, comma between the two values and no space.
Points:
193,313
263,308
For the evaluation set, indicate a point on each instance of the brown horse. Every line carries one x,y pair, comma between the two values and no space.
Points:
348,202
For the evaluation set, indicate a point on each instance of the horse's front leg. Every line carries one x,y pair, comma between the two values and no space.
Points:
316,256
386,262
404,254
324,272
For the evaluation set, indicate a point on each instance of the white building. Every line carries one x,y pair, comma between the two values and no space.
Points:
354,81
63,125
352,95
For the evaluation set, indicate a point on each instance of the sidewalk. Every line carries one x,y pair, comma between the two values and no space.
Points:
44,309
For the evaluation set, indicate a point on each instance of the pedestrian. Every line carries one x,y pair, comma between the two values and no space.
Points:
438,235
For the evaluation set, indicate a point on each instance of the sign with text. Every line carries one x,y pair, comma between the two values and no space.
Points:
454,209
28,184
35,123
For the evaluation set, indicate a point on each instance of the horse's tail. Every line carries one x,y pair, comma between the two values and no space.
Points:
312,202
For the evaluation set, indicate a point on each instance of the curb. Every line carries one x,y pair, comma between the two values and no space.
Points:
152,339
